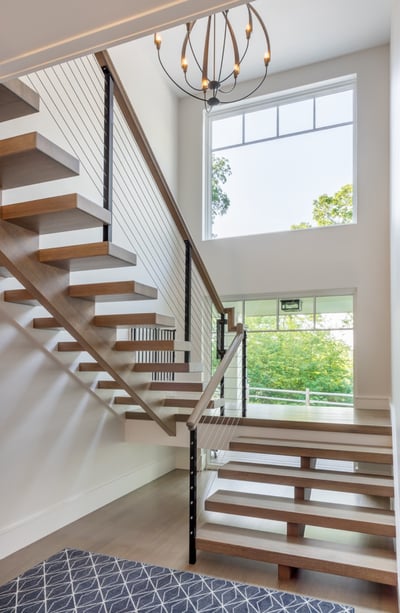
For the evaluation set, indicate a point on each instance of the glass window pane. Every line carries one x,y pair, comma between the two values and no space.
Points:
296,313
261,124
334,108
227,132
296,116
334,312
260,314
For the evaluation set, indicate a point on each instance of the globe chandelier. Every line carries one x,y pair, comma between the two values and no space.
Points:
211,57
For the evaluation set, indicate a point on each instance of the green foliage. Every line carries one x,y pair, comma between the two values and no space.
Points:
220,201
331,210
296,360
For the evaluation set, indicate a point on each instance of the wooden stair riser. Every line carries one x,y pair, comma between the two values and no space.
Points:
303,512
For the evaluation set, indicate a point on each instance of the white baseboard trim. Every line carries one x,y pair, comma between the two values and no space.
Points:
376,403
16,536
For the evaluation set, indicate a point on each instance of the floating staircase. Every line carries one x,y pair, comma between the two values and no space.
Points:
355,533
44,273
45,276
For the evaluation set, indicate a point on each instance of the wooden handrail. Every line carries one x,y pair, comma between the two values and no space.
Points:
104,60
215,379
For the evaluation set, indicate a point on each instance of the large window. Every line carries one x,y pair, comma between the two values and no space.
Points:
299,350
283,162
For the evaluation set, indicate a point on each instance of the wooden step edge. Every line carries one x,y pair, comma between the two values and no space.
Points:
156,345
320,426
20,296
113,291
56,214
311,449
191,403
312,513
132,320
309,478
178,367
108,385
87,256
41,159
65,346
17,99
46,323
377,565
176,386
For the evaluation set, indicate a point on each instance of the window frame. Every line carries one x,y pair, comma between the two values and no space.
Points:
276,99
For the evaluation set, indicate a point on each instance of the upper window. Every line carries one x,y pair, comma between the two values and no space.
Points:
284,162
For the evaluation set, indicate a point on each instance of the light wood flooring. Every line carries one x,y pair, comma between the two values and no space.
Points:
150,525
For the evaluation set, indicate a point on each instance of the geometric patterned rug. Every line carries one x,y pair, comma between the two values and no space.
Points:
84,582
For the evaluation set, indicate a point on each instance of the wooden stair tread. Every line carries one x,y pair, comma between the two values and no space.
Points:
31,158
17,99
46,323
190,403
20,296
324,514
167,367
130,320
56,214
176,386
69,346
89,256
320,426
90,367
312,449
310,478
378,565
113,291
156,345
100,292
168,402
108,385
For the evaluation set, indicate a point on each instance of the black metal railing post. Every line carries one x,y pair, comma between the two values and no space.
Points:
108,148
220,354
192,495
188,295
244,374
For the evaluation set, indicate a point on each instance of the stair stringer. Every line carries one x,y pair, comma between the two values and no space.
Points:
49,285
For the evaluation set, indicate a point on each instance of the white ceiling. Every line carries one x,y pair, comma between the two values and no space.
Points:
302,32
35,34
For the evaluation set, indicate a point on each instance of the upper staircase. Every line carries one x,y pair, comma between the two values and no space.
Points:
45,272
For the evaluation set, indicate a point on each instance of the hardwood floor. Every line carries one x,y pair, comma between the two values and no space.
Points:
150,525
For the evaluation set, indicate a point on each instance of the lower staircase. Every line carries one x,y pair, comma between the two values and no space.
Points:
328,520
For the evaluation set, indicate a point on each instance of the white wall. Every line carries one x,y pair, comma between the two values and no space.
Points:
349,257
153,101
395,245
62,451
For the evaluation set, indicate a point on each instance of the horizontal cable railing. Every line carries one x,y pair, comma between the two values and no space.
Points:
307,397
145,214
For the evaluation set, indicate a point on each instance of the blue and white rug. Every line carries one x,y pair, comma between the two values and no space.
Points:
83,582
